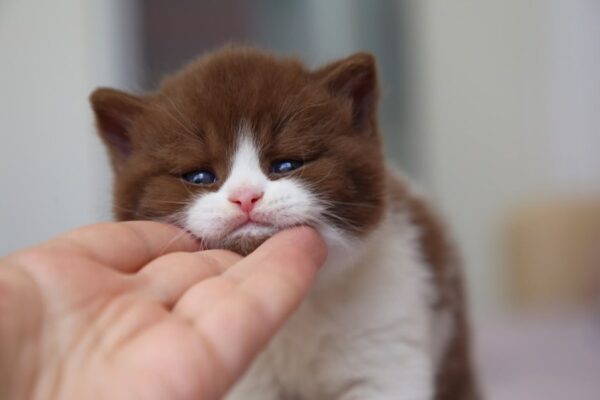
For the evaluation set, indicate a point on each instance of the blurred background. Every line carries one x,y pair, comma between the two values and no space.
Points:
492,106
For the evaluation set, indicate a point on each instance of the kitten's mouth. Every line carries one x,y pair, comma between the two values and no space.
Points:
246,236
251,228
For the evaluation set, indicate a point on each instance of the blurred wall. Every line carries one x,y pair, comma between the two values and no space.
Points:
52,169
509,112
573,78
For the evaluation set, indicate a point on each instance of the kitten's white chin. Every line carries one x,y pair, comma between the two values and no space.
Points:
253,229
247,237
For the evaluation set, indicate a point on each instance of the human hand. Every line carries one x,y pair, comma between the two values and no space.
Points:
132,310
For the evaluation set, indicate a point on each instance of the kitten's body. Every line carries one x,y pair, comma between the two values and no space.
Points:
386,319
382,329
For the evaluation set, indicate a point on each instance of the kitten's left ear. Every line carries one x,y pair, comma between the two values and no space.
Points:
354,78
115,112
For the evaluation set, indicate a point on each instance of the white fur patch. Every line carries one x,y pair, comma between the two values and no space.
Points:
285,202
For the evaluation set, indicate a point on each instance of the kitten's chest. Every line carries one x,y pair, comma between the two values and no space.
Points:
358,327
312,355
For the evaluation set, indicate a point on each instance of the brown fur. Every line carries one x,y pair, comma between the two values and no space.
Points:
455,378
326,117
192,121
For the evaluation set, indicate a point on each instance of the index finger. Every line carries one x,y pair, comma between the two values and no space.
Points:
262,291
125,246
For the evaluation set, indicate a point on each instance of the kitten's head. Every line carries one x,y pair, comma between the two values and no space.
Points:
240,145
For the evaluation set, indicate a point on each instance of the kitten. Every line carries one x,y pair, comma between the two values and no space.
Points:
239,145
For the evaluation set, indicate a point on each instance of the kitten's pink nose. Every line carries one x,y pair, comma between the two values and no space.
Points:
246,198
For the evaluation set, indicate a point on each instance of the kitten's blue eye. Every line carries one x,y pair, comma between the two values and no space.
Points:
283,166
200,177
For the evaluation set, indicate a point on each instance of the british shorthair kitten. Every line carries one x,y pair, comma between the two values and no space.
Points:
241,144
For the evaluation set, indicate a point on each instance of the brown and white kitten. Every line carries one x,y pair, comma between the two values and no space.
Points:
239,145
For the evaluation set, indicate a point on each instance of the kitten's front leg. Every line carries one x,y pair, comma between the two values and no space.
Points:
255,393
400,381
389,391
257,384
246,389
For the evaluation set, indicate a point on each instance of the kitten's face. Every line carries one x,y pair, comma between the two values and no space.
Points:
240,145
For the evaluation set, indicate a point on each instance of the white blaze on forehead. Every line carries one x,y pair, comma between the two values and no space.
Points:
245,166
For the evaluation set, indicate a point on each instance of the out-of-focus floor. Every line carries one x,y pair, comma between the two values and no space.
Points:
539,357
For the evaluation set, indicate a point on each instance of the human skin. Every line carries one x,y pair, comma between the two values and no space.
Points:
133,310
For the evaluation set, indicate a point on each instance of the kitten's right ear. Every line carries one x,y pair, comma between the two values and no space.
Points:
353,78
115,112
